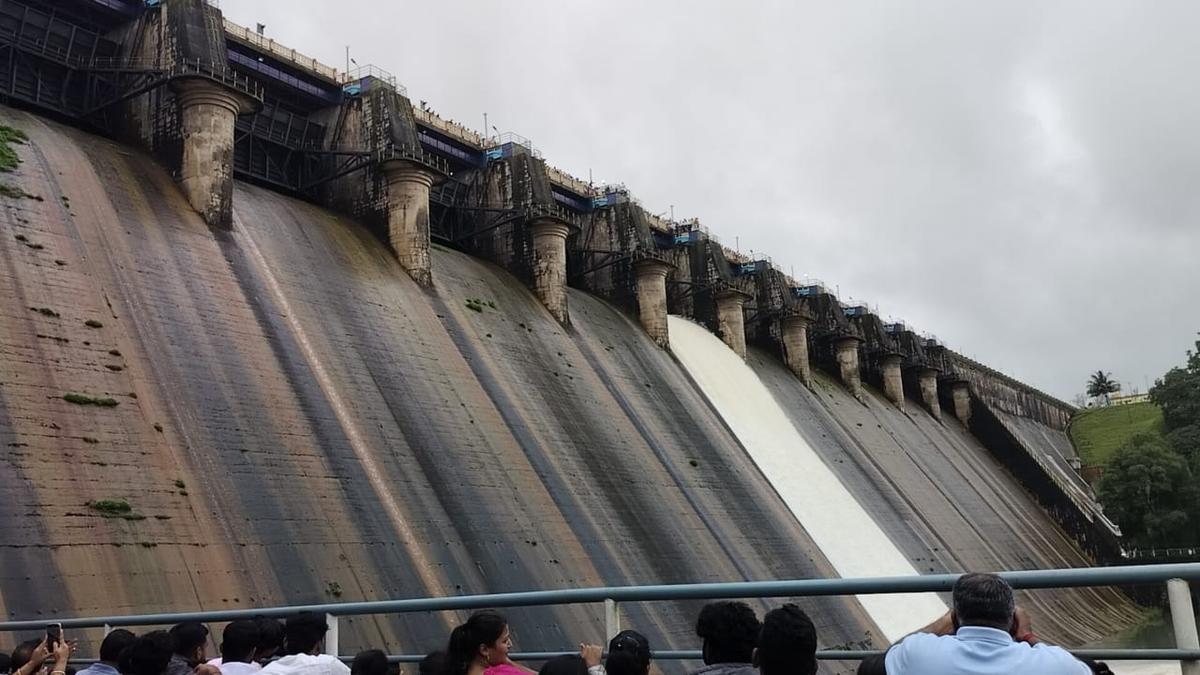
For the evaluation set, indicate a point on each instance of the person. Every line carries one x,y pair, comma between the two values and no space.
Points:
434,663
369,662
567,664
5,662
983,633
728,631
303,634
239,645
149,654
191,643
270,642
628,654
110,653
480,647
787,643
34,656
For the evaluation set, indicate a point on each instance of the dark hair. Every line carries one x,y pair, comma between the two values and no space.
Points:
482,628
434,663
270,637
729,630
239,641
189,636
631,642
621,662
983,600
303,632
23,653
787,643
6,659
567,664
369,662
149,654
114,643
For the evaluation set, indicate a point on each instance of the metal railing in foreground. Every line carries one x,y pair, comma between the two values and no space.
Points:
1176,576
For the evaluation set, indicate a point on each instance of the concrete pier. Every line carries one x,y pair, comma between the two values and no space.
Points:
408,186
550,265
927,381
961,395
846,349
207,114
794,334
652,297
730,320
893,380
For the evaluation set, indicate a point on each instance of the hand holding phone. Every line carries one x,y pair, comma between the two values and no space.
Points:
53,636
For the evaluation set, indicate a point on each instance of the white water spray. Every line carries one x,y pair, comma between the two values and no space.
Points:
840,527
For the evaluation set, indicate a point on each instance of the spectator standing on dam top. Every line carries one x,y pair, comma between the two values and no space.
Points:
787,644
729,631
191,642
983,634
303,634
110,653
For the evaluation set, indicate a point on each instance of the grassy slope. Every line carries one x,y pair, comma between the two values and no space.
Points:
1098,433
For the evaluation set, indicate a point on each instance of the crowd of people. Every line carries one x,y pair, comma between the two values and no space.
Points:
984,633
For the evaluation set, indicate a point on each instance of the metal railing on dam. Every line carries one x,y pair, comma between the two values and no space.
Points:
1176,576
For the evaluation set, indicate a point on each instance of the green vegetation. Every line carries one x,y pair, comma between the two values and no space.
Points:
334,588
477,305
1149,485
115,508
1099,432
84,399
180,484
92,323
14,192
45,311
8,156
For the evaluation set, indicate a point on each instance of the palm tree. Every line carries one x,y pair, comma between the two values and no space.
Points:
1101,384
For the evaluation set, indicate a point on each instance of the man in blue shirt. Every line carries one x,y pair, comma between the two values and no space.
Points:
984,634
114,643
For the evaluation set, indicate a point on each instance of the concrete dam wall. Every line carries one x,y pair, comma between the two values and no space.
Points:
292,418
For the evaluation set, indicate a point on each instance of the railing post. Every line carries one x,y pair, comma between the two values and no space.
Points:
612,619
107,629
331,636
1183,620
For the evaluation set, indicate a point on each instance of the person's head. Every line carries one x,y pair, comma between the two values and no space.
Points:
632,652
434,663
270,639
787,643
483,639
6,659
22,653
567,664
370,662
983,600
239,641
303,633
729,631
191,641
114,643
148,655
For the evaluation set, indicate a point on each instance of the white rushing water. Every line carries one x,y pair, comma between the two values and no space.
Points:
840,527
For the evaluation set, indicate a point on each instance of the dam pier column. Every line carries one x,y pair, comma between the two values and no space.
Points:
207,114
408,185
846,349
652,297
960,393
927,381
893,380
730,320
550,265
794,334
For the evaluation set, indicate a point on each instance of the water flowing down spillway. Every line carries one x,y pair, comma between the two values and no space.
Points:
845,533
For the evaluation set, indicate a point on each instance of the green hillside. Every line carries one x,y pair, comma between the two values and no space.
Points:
1098,433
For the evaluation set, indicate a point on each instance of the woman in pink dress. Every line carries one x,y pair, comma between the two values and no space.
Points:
480,647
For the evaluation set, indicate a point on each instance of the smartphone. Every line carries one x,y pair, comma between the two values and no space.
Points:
53,635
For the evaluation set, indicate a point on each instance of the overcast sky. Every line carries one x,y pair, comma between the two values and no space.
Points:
1020,179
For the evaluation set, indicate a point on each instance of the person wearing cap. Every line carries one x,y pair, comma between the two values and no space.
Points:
984,633
628,654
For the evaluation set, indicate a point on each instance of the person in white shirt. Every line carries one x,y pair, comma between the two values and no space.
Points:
303,635
239,644
984,634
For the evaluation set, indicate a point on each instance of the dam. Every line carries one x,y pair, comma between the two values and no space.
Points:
272,335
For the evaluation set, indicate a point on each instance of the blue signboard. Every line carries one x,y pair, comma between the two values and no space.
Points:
806,291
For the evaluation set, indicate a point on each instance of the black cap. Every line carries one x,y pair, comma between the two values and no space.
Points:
632,642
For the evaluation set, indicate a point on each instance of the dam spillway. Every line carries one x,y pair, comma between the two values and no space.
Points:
309,384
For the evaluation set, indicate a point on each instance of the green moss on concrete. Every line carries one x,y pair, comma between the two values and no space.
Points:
84,399
92,323
8,157
115,508
1098,433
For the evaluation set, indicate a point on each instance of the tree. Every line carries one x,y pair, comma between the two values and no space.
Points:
1148,489
1101,385
1178,393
